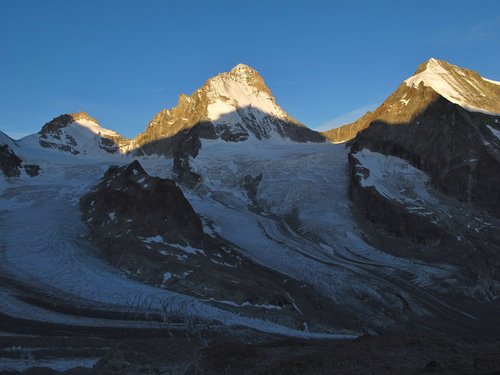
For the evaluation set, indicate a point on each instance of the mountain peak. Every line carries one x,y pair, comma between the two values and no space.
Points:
243,75
64,120
83,116
243,69
458,85
433,78
78,133
238,104
435,65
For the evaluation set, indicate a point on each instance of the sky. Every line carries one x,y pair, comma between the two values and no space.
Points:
326,62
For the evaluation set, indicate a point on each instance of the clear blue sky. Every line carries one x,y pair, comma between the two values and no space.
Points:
123,61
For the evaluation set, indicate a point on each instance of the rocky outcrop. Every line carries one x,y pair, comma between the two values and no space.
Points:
145,226
250,185
9,162
128,198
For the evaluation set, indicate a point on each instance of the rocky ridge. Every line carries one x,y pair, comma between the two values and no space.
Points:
432,79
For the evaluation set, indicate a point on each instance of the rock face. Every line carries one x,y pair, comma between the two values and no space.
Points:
231,106
433,79
146,227
10,163
131,199
79,133
347,132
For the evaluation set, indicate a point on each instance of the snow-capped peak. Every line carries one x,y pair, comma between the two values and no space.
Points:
76,133
79,119
237,103
460,86
243,69
240,89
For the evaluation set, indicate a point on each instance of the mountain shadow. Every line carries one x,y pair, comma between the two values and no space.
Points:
250,122
456,147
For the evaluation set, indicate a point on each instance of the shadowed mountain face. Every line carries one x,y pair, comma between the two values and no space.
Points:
231,106
153,206
456,147
433,79
425,173
11,164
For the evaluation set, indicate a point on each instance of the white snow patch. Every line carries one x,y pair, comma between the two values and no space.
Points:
166,276
395,178
188,249
495,132
153,239
247,304
491,81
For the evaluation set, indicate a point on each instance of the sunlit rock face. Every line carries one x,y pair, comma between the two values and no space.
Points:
432,80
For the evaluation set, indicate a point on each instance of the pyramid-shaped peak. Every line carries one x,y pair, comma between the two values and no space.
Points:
244,76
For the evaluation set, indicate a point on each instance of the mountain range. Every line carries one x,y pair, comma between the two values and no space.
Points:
228,217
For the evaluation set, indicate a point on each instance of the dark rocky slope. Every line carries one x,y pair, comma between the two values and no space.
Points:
11,164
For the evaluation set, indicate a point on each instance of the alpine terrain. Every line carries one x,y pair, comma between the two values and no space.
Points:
230,238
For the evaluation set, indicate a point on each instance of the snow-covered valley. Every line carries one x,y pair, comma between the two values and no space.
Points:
300,224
